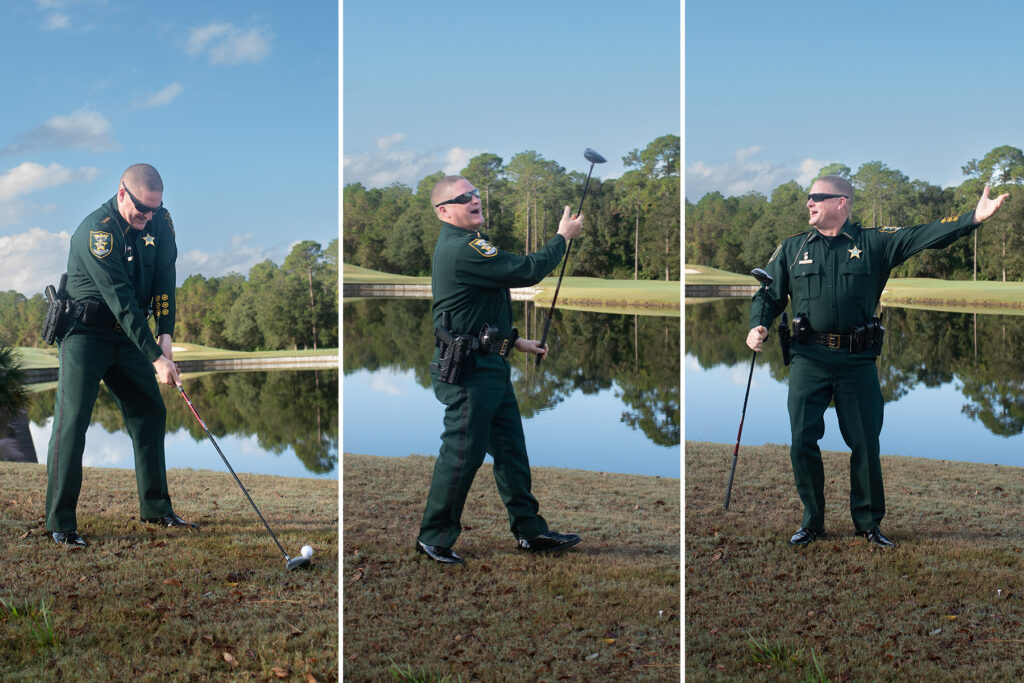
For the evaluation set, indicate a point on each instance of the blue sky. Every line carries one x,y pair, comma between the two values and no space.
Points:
426,87
774,91
235,103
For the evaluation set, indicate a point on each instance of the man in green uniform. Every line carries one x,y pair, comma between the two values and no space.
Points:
470,282
834,274
121,266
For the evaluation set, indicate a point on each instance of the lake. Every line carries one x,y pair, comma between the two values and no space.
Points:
606,399
281,422
953,384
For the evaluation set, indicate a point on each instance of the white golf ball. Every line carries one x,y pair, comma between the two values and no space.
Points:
307,551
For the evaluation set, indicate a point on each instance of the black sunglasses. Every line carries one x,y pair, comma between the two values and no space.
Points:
822,196
139,206
464,198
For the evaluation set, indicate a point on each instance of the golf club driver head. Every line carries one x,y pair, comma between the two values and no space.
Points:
296,562
762,276
593,157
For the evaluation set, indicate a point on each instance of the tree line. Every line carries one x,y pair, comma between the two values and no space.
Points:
632,222
740,233
291,306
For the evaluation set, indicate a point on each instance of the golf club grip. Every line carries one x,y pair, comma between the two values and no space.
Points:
543,339
231,469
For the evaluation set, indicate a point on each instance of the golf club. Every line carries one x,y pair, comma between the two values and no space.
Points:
594,158
290,562
765,279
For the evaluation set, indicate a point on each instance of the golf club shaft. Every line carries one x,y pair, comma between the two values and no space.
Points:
230,469
565,260
743,415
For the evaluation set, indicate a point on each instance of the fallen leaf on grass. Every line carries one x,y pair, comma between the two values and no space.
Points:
311,679
592,656
281,672
172,582
296,631
229,658
609,641
951,617
935,632
26,534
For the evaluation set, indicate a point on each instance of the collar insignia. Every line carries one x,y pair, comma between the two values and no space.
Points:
855,252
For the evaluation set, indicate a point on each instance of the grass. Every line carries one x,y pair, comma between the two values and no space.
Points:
143,602
928,293
606,610
955,295
706,275
945,604
577,293
31,357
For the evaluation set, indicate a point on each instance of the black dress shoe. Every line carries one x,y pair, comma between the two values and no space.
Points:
69,538
805,536
875,536
549,540
438,553
170,520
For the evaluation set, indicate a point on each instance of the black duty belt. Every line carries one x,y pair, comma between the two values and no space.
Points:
832,341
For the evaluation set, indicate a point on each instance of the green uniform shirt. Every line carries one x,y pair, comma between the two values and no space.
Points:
471,278
129,270
838,282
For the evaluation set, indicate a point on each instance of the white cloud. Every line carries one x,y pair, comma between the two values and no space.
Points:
33,260
82,128
241,255
29,177
745,173
57,21
163,97
225,43
458,158
396,165
386,141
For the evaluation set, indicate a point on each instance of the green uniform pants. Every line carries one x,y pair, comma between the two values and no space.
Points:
86,357
481,416
815,379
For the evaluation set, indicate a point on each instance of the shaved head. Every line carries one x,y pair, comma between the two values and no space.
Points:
142,177
443,188
839,185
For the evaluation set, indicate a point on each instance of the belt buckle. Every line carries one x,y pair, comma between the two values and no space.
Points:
833,341
504,348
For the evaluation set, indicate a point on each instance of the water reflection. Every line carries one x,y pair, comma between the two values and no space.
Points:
258,414
632,359
974,358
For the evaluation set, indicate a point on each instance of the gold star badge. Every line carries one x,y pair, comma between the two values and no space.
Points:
149,240
855,252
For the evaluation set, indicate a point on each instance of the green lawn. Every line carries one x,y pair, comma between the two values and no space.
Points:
577,293
47,358
956,295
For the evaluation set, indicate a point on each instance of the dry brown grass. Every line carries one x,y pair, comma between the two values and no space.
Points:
606,610
144,602
945,604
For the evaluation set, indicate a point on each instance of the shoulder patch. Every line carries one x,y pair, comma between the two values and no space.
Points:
99,243
170,223
775,255
890,228
484,247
